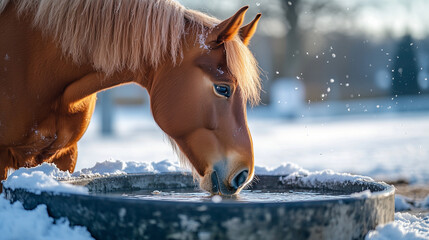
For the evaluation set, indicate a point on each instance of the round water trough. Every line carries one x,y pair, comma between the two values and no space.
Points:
108,215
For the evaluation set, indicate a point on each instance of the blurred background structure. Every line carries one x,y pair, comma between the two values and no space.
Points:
327,60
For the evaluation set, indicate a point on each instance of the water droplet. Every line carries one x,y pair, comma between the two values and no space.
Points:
296,88
297,77
347,84
277,72
258,4
289,3
411,44
331,80
378,106
333,55
328,89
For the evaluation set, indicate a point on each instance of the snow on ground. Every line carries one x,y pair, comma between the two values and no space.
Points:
405,226
402,203
121,167
387,146
18,223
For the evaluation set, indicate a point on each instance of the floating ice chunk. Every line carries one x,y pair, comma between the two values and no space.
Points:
363,194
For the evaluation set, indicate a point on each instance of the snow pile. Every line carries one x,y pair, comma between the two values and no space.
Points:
119,167
425,202
41,178
405,226
402,203
283,169
18,223
321,179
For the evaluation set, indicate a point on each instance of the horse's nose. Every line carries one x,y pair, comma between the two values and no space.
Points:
221,184
239,179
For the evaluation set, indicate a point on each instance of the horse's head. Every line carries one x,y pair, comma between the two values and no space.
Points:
201,103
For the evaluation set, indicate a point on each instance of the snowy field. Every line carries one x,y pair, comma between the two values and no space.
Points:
384,146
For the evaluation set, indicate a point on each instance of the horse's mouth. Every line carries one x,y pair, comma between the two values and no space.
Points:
218,186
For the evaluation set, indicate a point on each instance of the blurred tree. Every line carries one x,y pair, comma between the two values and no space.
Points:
404,76
293,10
293,45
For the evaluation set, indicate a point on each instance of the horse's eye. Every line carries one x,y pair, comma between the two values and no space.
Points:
222,90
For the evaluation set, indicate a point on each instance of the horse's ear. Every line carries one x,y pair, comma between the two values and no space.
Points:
246,32
230,27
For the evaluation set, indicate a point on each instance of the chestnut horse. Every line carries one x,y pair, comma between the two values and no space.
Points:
55,55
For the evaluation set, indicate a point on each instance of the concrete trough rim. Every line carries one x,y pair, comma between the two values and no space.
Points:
376,208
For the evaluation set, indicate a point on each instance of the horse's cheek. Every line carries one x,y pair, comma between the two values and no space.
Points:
175,113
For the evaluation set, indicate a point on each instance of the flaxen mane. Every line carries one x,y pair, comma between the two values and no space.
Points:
117,34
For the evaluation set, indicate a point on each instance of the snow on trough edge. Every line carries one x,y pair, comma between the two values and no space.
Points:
41,178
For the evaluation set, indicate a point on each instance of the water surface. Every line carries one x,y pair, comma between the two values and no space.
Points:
191,195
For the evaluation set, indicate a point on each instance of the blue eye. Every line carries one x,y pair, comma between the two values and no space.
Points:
222,90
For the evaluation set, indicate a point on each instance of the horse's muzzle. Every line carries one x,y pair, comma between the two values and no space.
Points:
220,184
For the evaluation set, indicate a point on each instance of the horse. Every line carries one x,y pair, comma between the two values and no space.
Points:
56,55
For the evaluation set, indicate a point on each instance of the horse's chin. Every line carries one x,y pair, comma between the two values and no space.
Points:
206,183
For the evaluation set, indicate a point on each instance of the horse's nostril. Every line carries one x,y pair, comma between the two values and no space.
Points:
215,182
239,179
